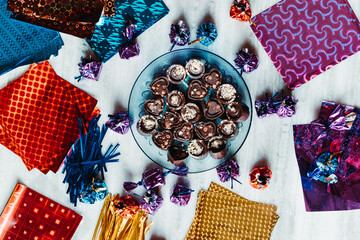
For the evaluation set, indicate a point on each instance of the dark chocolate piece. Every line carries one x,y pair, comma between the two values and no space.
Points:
205,130
176,73
184,133
226,129
195,69
213,109
197,91
159,86
197,149
175,100
212,79
190,113
154,106
170,120
226,93
177,155
237,112
148,124
217,147
163,139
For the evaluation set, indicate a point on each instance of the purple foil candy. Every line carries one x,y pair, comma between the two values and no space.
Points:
119,122
153,178
130,49
129,186
179,34
246,60
266,106
129,30
151,202
89,68
228,170
181,195
181,170
287,107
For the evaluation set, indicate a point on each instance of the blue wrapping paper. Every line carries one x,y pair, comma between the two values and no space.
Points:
108,35
22,43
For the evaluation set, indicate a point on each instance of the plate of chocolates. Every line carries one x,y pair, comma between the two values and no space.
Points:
190,107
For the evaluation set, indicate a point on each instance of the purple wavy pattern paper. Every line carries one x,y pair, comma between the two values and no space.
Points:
306,37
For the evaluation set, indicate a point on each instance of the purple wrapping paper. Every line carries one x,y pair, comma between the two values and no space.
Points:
335,132
305,38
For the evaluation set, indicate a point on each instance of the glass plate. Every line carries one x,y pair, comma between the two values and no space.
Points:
141,92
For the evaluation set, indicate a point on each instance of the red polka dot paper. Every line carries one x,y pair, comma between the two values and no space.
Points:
39,115
29,215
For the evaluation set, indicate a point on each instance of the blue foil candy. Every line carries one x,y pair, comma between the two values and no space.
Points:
95,191
207,33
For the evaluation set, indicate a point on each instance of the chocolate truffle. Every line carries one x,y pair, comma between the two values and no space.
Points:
205,130
217,147
177,155
237,112
197,149
176,73
154,106
226,93
184,133
213,109
226,129
195,69
212,79
197,91
170,120
163,139
159,86
175,100
190,113
148,124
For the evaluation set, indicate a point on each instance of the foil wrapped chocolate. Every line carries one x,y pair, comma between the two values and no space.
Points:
246,60
283,106
151,179
260,177
240,10
181,195
95,191
323,169
151,202
206,34
179,34
287,107
229,170
131,48
89,68
119,122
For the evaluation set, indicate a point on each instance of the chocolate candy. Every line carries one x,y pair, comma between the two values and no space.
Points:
197,149
226,93
154,106
177,155
212,79
175,100
217,147
197,91
205,130
190,113
170,120
159,86
213,109
226,129
184,133
163,139
195,69
148,124
237,112
176,73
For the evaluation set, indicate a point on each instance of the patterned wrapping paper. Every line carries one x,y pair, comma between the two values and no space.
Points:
336,134
222,214
108,35
304,38
22,43
30,215
39,115
76,17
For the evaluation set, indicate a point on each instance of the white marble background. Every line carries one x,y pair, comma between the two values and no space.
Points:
270,138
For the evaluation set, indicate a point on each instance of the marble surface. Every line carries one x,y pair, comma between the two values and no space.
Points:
270,138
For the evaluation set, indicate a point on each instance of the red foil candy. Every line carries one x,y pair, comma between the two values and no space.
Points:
240,10
260,177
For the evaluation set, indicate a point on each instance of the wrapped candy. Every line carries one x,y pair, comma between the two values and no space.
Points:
282,106
240,10
206,34
89,68
179,34
131,48
85,160
181,195
119,122
229,170
95,191
246,60
260,177
151,202
287,107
